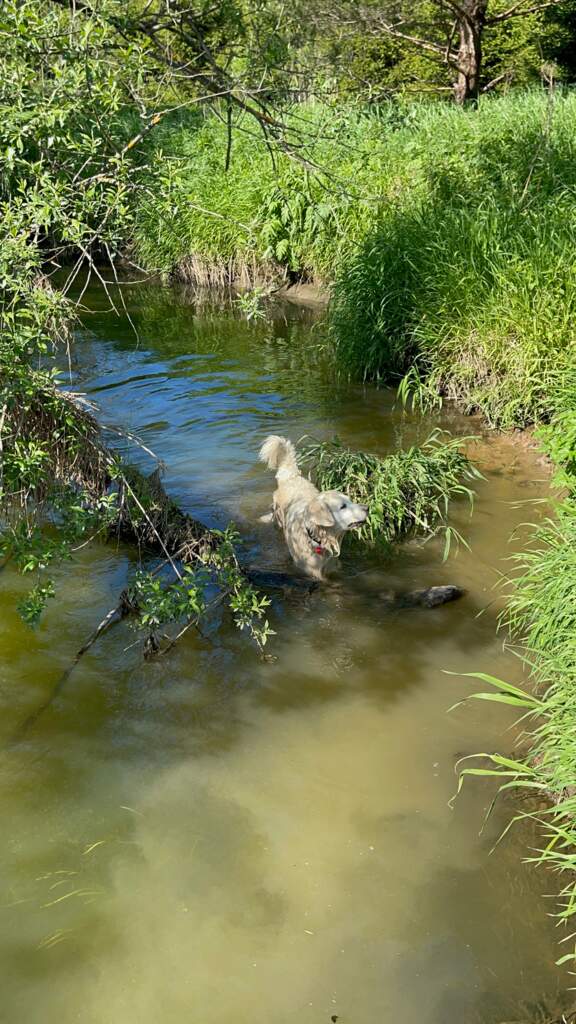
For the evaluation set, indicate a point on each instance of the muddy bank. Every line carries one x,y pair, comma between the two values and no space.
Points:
241,275
509,451
306,294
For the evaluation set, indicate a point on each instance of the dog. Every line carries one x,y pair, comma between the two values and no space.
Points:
313,521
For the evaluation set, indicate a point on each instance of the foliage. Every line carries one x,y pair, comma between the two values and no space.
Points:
184,598
447,235
251,304
469,273
406,493
33,604
375,63
559,440
260,216
71,98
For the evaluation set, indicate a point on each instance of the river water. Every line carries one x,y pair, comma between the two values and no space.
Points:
214,839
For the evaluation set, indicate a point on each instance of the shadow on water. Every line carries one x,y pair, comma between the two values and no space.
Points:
214,838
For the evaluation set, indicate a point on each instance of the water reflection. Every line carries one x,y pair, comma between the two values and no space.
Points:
215,839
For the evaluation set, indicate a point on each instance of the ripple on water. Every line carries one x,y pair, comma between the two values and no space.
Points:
214,839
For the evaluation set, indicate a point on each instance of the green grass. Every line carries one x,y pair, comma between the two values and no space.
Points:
267,215
447,236
470,275
406,493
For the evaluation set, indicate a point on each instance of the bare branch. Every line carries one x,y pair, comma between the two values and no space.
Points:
495,81
392,30
450,41
519,11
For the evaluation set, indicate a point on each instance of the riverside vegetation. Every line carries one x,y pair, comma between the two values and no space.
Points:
77,175
445,236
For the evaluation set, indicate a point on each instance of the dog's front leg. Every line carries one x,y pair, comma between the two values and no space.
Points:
268,518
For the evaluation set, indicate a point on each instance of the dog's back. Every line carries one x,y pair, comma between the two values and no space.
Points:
279,454
308,519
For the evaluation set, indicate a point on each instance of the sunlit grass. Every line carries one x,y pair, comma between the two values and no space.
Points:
407,492
447,235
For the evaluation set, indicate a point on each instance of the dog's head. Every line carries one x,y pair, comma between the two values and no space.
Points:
334,509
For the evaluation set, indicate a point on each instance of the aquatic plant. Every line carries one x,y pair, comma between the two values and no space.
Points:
407,492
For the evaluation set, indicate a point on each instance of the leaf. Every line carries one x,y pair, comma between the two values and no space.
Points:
282,249
500,684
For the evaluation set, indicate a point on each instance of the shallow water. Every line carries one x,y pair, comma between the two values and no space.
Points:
211,838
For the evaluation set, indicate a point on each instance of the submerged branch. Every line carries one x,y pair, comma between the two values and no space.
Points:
407,492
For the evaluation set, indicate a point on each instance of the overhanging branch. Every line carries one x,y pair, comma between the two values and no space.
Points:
519,11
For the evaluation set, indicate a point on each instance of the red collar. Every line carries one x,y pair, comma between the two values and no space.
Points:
317,547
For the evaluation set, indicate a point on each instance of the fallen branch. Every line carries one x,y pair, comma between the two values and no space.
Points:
114,615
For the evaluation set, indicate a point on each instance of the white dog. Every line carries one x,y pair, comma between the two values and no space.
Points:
313,522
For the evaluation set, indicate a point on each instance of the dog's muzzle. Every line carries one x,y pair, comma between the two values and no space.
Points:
360,522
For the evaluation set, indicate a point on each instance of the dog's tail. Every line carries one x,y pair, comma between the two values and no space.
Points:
279,453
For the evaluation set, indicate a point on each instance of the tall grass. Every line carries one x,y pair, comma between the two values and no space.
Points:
447,236
267,211
407,492
471,273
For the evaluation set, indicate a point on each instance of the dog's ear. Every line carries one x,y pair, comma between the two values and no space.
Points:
320,512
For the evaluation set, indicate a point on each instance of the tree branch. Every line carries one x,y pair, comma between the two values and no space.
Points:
456,9
494,81
424,44
519,11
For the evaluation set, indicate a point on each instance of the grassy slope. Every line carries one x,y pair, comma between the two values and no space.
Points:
449,237
273,213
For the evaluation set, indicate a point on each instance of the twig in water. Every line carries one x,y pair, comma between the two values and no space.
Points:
115,614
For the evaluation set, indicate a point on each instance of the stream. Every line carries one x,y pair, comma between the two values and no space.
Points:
211,838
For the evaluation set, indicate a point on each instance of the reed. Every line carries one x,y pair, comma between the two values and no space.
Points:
406,493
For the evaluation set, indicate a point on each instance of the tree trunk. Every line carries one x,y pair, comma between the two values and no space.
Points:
469,60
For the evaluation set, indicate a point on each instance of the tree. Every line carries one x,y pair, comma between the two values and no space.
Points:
451,33
77,99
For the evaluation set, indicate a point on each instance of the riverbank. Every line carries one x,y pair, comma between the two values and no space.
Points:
446,237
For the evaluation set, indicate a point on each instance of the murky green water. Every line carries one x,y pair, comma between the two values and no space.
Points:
216,840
